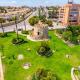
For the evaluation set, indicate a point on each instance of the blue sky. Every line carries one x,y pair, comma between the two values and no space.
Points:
33,2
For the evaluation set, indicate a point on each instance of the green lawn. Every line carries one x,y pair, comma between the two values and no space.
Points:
58,63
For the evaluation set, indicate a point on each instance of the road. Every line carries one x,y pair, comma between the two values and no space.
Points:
20,25
28,27
57,26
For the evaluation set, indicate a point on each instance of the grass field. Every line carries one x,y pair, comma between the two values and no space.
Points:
58,62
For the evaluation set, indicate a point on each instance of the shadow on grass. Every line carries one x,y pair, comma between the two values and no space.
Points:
21,43
49,37
9,34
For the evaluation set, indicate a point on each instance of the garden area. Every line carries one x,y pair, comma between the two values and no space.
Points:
71,34
16,57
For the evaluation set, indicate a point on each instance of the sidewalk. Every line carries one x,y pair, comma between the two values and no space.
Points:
1,70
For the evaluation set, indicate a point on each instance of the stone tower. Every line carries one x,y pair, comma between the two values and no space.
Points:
40,31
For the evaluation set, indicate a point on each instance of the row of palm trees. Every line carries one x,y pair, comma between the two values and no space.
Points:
16,22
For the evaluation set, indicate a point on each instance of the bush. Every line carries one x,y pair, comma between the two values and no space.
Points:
50,23
43,19
33,20
78,39
72,34
67,35
60,31
17,41
74,40
44,50
42,74
74,29
24,32
3,34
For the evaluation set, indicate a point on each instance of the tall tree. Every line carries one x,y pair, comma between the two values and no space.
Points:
23,16
33,20
15,18
1,22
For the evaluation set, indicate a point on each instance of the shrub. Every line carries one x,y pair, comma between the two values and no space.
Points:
78,39
17,40
74,40
74,29
11,62
43,19
44,50
67,35
43,74
3,34
50,23
72,34
33,20
60,31
24,32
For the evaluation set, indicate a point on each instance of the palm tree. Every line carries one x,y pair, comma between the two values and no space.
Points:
17,40
1,22
15,19
39,14
23,16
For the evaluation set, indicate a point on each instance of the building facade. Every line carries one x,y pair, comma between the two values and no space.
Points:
69,14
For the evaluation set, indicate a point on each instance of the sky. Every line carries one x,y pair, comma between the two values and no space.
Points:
34,2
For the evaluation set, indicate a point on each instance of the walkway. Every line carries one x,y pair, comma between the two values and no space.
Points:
1,70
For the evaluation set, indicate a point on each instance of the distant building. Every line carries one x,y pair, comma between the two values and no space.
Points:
69,14
40,31
53,12
14,11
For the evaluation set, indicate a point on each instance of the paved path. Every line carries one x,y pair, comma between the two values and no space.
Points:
1,70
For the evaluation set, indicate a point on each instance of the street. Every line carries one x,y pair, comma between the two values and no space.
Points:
28,27
20,25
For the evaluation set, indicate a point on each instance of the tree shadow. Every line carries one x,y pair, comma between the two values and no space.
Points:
49,37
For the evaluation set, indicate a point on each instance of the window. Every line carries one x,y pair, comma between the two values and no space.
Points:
38,33
74,9
72,20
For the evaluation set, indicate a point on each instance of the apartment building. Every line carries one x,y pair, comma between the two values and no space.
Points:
69,14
